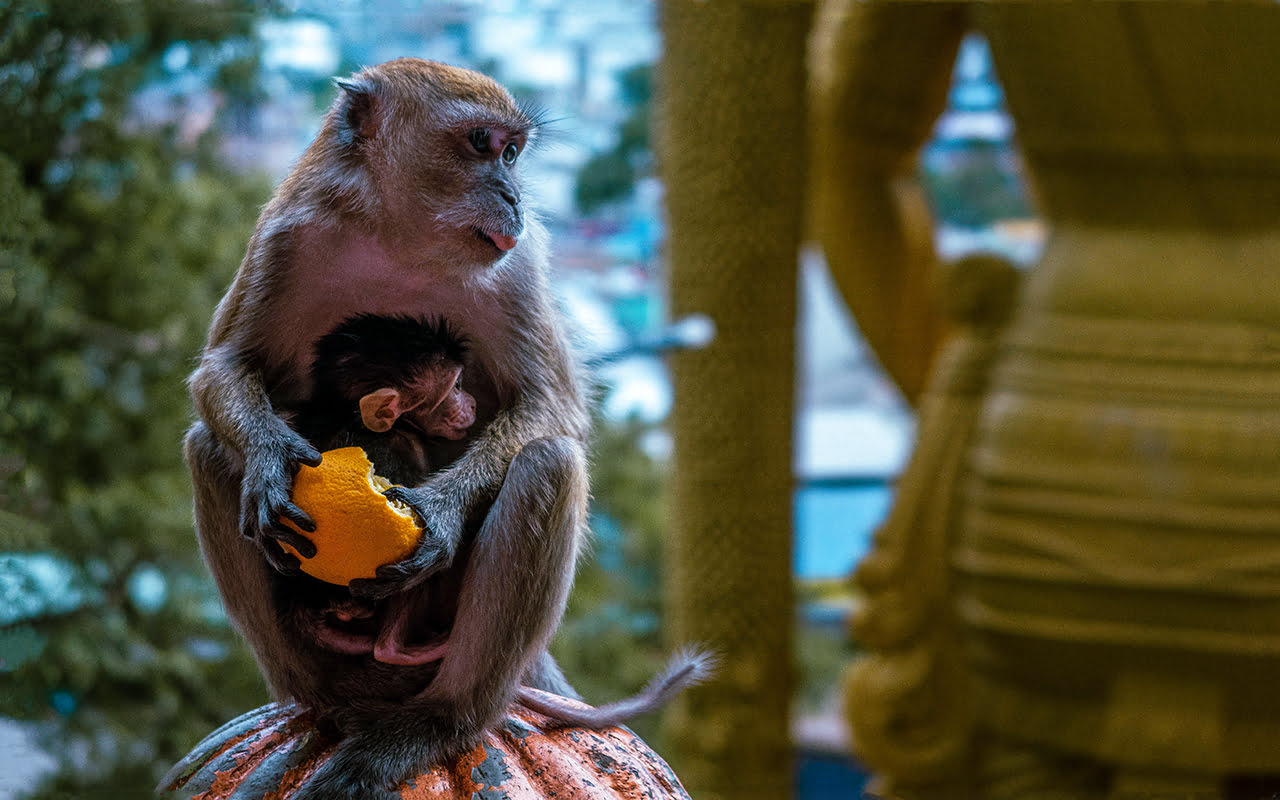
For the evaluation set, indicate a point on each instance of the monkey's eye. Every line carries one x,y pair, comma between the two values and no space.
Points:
479,139
509,153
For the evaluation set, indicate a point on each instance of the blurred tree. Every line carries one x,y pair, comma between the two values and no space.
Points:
610,176
611,641
118,233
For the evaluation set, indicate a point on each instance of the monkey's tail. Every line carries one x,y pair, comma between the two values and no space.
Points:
686,668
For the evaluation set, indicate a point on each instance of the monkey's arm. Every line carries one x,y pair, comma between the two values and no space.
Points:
244,578
452,496
231,398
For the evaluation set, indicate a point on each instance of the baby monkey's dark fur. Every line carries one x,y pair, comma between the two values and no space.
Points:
407,203
389,385
407,357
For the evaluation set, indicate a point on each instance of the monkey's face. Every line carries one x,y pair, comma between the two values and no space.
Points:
463,191
443,145
487,155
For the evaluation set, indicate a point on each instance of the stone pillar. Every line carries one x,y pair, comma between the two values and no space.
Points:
732,134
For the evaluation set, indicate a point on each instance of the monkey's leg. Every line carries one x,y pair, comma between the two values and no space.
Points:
243,576
545,674
513,595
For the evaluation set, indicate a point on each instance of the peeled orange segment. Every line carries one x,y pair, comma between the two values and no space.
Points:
357,528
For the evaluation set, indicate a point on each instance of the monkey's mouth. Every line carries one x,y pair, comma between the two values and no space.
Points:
500,241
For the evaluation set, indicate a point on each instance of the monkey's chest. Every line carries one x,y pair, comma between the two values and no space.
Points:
310,309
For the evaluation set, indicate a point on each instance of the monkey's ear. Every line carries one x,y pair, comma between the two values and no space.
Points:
359,112
380,409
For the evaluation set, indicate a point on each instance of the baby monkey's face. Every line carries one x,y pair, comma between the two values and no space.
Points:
432,403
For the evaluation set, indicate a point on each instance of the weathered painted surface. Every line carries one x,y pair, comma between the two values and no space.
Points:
270,752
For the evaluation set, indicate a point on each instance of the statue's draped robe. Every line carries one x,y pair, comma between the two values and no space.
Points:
1084,559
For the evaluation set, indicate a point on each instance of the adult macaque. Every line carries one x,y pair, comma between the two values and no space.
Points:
406,204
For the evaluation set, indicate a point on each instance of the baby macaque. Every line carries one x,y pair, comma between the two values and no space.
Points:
391,385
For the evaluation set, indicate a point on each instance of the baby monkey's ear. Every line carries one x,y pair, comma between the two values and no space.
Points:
380,409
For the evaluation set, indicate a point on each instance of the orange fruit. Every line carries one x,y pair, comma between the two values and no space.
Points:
357,528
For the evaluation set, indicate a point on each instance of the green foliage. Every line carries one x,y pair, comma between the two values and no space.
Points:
610,176
605,178
824,649
611,641
117,236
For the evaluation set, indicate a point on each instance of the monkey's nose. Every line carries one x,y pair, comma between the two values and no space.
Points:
509,196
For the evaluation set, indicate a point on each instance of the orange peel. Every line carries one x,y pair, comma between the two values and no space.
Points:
358,529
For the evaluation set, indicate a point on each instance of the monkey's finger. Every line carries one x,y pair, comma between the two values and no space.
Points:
284,563
372,588
251,523
298,517
308,455
390,578
391,573
364,588
400,494
294,539
426,561
288,566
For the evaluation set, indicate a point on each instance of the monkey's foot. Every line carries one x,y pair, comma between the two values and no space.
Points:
406,656
410,628
349,628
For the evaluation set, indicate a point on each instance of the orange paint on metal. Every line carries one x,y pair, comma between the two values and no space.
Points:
272,752
249,751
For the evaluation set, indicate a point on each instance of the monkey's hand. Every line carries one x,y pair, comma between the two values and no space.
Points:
265,498
441,518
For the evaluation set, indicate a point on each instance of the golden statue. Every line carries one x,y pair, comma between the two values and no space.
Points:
1077,593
